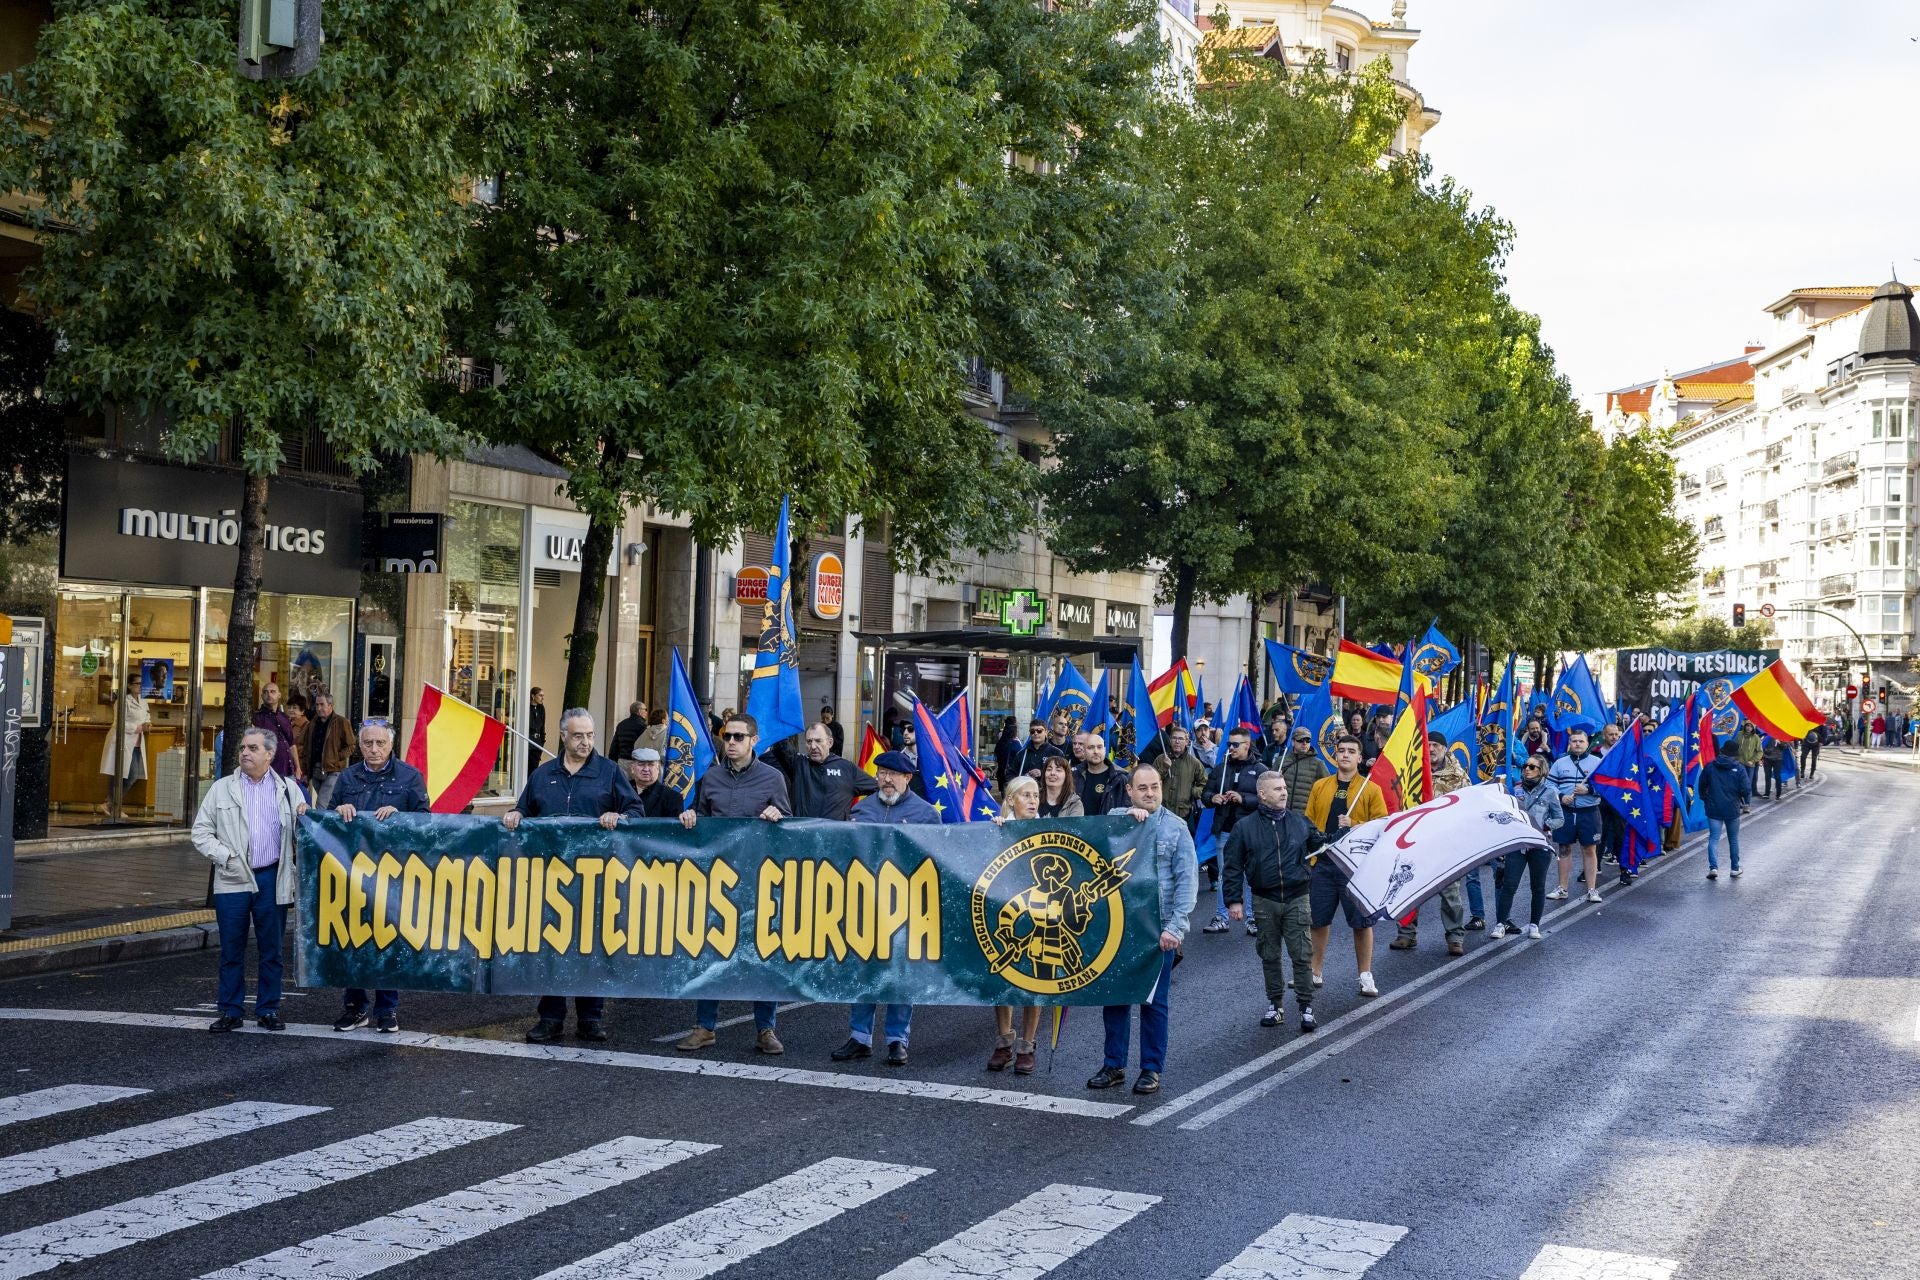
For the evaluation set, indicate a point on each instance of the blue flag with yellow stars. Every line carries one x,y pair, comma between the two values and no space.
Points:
955,787
1633,784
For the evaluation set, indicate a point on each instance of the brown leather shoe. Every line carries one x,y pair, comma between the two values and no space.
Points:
1402,943
999,1058
696,1039
1023,1064
1455,947
769,1043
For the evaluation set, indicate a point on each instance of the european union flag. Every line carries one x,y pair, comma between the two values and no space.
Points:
773,694
1099,711
1457,724
955,787
1134,724
1319,716
956,721
1243,712
1295,670
689,747
1577,703
1632,784
1071,694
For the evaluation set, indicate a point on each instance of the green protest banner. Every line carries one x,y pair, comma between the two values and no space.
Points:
1045,912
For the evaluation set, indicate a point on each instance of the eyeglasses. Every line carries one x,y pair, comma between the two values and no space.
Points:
1529,768
735,737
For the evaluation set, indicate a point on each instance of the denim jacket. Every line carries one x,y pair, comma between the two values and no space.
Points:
1174,866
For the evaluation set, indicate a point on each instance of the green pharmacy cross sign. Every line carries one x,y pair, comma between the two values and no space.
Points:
1022,612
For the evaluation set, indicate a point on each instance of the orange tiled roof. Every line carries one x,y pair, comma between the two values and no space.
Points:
1704,389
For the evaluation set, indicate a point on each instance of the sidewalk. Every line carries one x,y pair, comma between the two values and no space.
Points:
96,906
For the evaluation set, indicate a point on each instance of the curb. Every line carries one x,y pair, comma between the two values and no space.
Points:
113,950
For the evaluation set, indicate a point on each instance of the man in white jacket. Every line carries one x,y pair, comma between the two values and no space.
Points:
245,828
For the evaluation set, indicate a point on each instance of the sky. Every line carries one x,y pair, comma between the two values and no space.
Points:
1671,168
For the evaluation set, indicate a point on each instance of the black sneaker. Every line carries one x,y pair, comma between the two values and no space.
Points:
1306,1018
1271,1018
1107,1078
1147,1082
1626,877
1216,925
226,1022
850,1050
1476,924
388,1022
350,1019
896,1054
595,1031
546,1031
270,1022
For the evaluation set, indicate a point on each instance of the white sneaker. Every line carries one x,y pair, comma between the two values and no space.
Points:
1319,981
1735,873
1366,985
1557,895
1533,932
1593,895
1498,931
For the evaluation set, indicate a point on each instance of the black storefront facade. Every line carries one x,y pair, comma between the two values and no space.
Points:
130,654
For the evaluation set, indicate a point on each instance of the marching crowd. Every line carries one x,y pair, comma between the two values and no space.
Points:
1268,811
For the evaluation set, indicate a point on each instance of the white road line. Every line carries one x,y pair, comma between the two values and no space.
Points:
724,1023
1028,1239
61,1097
715,1238
678,1064
1916,1025
84,1155
1304,1247
415,1232
88,1235
1480,957
1557,1262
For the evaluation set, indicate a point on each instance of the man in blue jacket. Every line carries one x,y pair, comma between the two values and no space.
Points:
893,804
1724,788
579,783
382,786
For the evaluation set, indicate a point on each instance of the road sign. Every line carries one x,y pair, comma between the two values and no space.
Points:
1853,691
1866,706
1766,611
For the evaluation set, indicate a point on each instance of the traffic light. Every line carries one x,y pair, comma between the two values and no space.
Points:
1739,616
279,39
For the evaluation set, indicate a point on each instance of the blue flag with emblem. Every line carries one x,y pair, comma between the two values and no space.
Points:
1699,750
955,787
1099,710
1462,746
1134,724
1295,670
773,692
1434,655
1577,703
689,752
1632,784
1071,694
1667,748
1497,737
1322,719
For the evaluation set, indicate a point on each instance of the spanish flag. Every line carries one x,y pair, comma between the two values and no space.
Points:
1365,676
455,746
1171,692
870,748
1774,701
1402,770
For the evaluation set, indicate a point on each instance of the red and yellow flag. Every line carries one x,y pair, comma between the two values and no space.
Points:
455,746
1776,703
1169,690
1403,771
1364,676
870,748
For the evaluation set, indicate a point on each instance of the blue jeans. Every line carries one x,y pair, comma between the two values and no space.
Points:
860,1023
1732,827
554,1008
235,912
384,1001
707,1014
1153,1024
1220,891
1476,902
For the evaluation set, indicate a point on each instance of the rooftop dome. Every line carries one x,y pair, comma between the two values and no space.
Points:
1891,330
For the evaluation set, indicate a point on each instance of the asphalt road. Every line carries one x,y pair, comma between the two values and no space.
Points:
1693,1080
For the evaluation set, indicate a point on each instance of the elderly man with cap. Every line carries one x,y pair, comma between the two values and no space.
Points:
657,799
893,804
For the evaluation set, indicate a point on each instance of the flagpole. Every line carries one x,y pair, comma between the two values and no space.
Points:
503,724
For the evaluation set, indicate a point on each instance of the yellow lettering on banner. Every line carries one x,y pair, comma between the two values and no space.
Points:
359,931
893,909
559,934
536,901
416,902
860,912
923,928
510,906
333,902
829,901
611,939
720,881
650,907
588,869
449,880
383,932
764,938
480,904
796,912
690,919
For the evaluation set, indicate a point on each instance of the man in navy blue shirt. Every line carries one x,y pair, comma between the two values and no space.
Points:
580,783
382,786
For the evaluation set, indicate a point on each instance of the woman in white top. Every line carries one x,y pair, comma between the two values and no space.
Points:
132,755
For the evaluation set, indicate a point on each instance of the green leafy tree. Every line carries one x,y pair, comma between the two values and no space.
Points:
253,259
32,427
739,254
1700,631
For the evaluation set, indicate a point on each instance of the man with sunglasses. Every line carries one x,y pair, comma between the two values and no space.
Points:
380,785
581,783
737,785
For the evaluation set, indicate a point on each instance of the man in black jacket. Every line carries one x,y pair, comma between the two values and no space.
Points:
1102,787
1032,756
580,783
1268,853
1231,792
822,784
657,799
382,786
626,734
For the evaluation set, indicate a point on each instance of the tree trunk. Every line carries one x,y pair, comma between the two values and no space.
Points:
583,644
1185,578
241,617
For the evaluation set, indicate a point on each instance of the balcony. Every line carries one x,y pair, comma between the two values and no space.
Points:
1716,476
1715,527
1771,511
1840,466
1836,586
1776,451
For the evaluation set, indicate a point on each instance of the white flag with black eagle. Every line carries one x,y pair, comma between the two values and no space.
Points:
1397,862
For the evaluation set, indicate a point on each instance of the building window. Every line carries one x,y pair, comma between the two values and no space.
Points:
482,642
1879,422
1342,58
1894,415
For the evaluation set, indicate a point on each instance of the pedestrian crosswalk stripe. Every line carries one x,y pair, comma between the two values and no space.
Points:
715,1238
1557,1262
63,1097
413,1233
84,1155
1305,1247
88,1235
1030,1238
